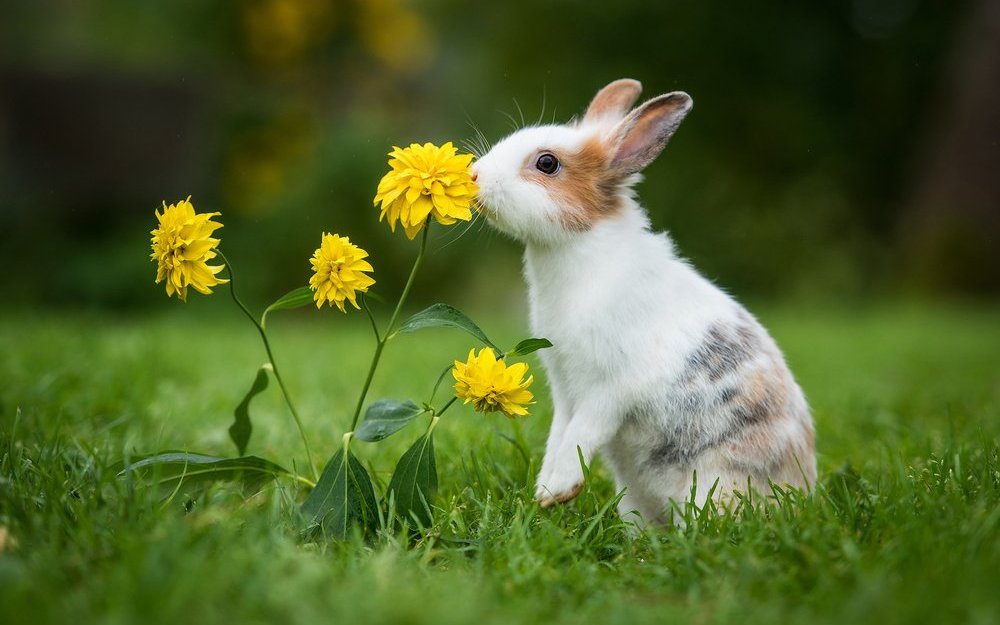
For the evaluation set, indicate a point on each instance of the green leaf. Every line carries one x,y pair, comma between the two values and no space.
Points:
528,346
444,316
241,428
293,299
343,497
176,471
414,482
385,417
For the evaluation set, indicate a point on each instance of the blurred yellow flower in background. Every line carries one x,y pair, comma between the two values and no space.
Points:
281,33
396,34
182,246
338,272
491,385
426,180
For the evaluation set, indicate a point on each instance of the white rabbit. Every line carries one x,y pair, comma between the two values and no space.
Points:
652,365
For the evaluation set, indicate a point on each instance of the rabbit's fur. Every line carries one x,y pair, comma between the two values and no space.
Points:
652,366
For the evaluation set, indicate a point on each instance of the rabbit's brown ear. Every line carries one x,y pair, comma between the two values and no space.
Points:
642,135
614,100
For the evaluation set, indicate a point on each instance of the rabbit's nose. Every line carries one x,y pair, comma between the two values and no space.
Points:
474,171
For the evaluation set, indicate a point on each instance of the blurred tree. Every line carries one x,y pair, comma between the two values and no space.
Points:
950,229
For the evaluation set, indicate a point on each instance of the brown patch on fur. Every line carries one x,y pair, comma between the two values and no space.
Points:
755,452
764,395
760,451
794,464
587,190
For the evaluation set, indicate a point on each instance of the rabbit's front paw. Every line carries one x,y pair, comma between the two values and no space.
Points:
559,486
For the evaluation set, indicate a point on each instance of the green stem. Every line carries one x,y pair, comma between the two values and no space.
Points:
409,284
389,329
274,366
304,480
368,383
371,318
437,384
438,413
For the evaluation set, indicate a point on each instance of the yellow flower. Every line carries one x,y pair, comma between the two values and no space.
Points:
426,180
182,247
338,267
491,385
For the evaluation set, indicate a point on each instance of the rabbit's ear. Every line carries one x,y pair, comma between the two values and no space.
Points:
614,100
640,137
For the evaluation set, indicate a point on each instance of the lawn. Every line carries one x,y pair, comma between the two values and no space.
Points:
903,528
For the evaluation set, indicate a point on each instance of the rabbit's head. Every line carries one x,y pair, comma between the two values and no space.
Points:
544,184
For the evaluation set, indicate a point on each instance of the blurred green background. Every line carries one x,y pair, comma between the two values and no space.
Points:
837,150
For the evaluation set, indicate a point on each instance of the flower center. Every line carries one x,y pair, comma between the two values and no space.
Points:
335,265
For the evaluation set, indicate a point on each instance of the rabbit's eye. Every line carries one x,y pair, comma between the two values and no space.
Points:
547,163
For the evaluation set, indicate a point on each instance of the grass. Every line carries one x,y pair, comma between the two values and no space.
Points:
904,528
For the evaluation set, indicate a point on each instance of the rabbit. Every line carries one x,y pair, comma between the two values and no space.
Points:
680,390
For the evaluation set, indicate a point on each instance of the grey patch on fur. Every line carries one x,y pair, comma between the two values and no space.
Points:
714,400
723,350
673,451
747,414
691,403
683,445
666,453
728,394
